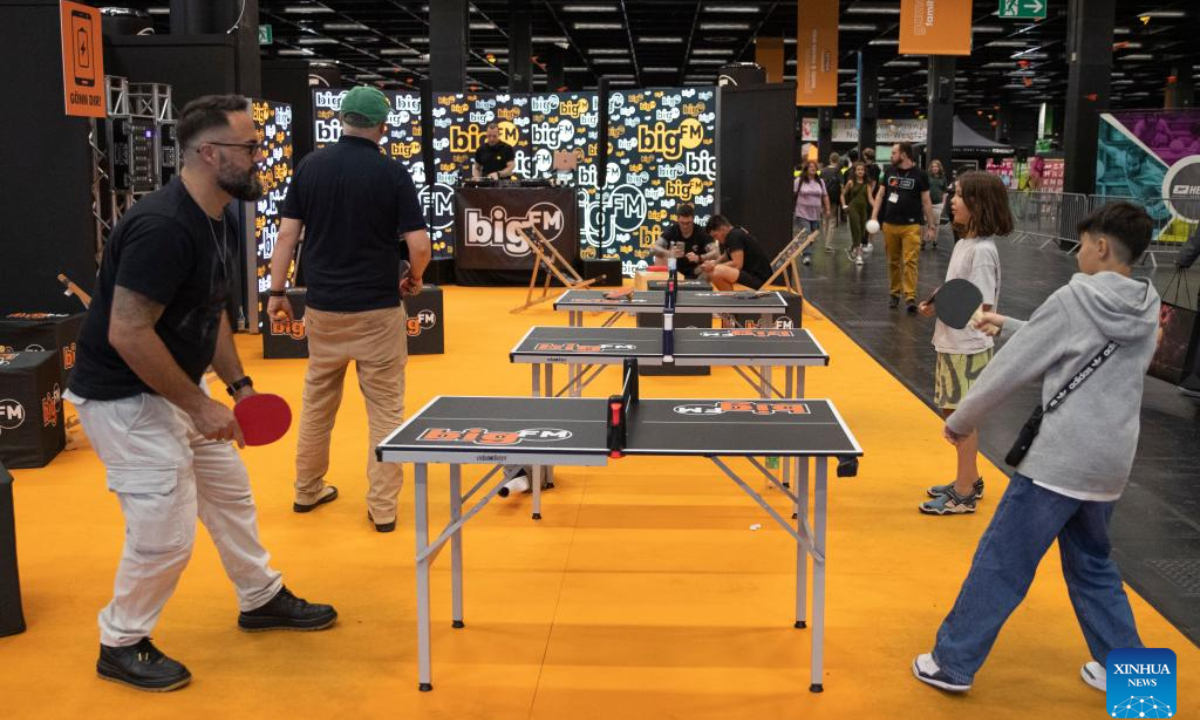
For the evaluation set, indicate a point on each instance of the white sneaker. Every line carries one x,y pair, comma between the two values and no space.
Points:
858,259
869,248
927,671
1094,674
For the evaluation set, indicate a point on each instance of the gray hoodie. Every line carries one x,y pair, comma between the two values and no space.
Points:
1085,448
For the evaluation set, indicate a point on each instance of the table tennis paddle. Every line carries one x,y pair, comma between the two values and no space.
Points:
958,303
264,418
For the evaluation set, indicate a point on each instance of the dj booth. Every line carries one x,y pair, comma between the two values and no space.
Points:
491,215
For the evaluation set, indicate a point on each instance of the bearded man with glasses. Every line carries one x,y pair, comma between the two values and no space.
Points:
159,317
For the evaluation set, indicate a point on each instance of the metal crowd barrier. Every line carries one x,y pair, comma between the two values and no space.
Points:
1046,217
1052,218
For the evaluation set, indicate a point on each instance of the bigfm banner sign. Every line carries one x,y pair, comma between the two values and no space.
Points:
402,142
273,124
536,126
661,153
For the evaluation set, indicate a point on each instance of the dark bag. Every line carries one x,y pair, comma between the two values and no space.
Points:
1030,429
1174,357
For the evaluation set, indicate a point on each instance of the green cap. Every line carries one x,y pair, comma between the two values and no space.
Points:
368,102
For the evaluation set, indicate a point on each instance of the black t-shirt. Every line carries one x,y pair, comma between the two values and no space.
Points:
697,243
906,186
754,260
493,158
167,249
355,204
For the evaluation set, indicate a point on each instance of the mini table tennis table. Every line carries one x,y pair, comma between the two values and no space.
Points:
588,432
752,353
577,302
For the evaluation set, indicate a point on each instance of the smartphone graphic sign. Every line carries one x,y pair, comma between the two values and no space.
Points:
83,60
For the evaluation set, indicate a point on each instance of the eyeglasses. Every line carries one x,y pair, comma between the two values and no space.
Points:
249,147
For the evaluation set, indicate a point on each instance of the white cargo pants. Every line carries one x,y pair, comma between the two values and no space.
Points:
165,474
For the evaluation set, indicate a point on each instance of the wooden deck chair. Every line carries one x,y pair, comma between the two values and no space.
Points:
557,266
784,271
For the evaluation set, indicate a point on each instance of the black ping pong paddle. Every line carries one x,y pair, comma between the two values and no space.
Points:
958,303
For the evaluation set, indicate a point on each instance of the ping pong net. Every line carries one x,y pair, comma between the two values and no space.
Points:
619,409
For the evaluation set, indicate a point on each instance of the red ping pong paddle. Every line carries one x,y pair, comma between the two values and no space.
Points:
958,303
264,418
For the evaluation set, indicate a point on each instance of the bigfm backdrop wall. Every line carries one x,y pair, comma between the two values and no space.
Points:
661,152
534,125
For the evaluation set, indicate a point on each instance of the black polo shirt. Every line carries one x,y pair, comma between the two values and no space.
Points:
355,204
493,158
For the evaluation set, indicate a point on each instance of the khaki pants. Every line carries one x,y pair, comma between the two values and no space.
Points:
377,343
165,474
903,244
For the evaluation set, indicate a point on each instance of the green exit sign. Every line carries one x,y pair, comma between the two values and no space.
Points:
266,35
1023,9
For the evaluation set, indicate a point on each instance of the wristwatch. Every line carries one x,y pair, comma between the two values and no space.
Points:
236,385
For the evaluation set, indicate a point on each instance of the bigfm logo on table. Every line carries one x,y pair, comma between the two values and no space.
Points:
1141,683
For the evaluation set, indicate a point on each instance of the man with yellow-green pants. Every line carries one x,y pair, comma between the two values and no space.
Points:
900,203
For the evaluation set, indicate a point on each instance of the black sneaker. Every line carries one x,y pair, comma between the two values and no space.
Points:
912,306
894,302
141,666
285,611
382,527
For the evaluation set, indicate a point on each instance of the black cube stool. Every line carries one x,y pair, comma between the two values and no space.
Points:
12,620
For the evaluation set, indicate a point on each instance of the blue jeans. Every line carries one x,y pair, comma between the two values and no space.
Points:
799,223
1027,520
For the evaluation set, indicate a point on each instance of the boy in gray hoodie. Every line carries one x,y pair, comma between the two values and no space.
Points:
1077,467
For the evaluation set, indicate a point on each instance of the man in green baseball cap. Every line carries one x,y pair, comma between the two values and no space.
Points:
359,213
368,103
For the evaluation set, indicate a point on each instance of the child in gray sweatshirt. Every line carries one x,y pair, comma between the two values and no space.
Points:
1066,486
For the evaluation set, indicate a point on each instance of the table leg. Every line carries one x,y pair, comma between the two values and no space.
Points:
456,549
801,518
421,507
537,380
549,385
536,480
787,392
819,567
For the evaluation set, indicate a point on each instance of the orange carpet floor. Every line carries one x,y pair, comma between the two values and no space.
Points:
644,593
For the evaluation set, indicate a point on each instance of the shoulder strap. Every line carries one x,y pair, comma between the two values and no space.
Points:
1081,377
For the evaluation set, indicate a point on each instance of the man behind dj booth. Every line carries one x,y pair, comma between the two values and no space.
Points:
697,245
495,158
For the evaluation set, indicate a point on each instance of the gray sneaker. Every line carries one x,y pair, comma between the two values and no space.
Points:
950,504
976,489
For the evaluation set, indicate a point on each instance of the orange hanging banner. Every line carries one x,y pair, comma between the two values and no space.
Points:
768,52
817,53
83,60
935,27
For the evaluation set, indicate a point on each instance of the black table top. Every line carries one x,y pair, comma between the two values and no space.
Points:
566,431
651,301
708,346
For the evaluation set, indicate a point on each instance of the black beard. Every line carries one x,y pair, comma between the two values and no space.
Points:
247,187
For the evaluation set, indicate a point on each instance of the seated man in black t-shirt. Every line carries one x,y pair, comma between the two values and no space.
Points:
742,262
495,158
697,245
